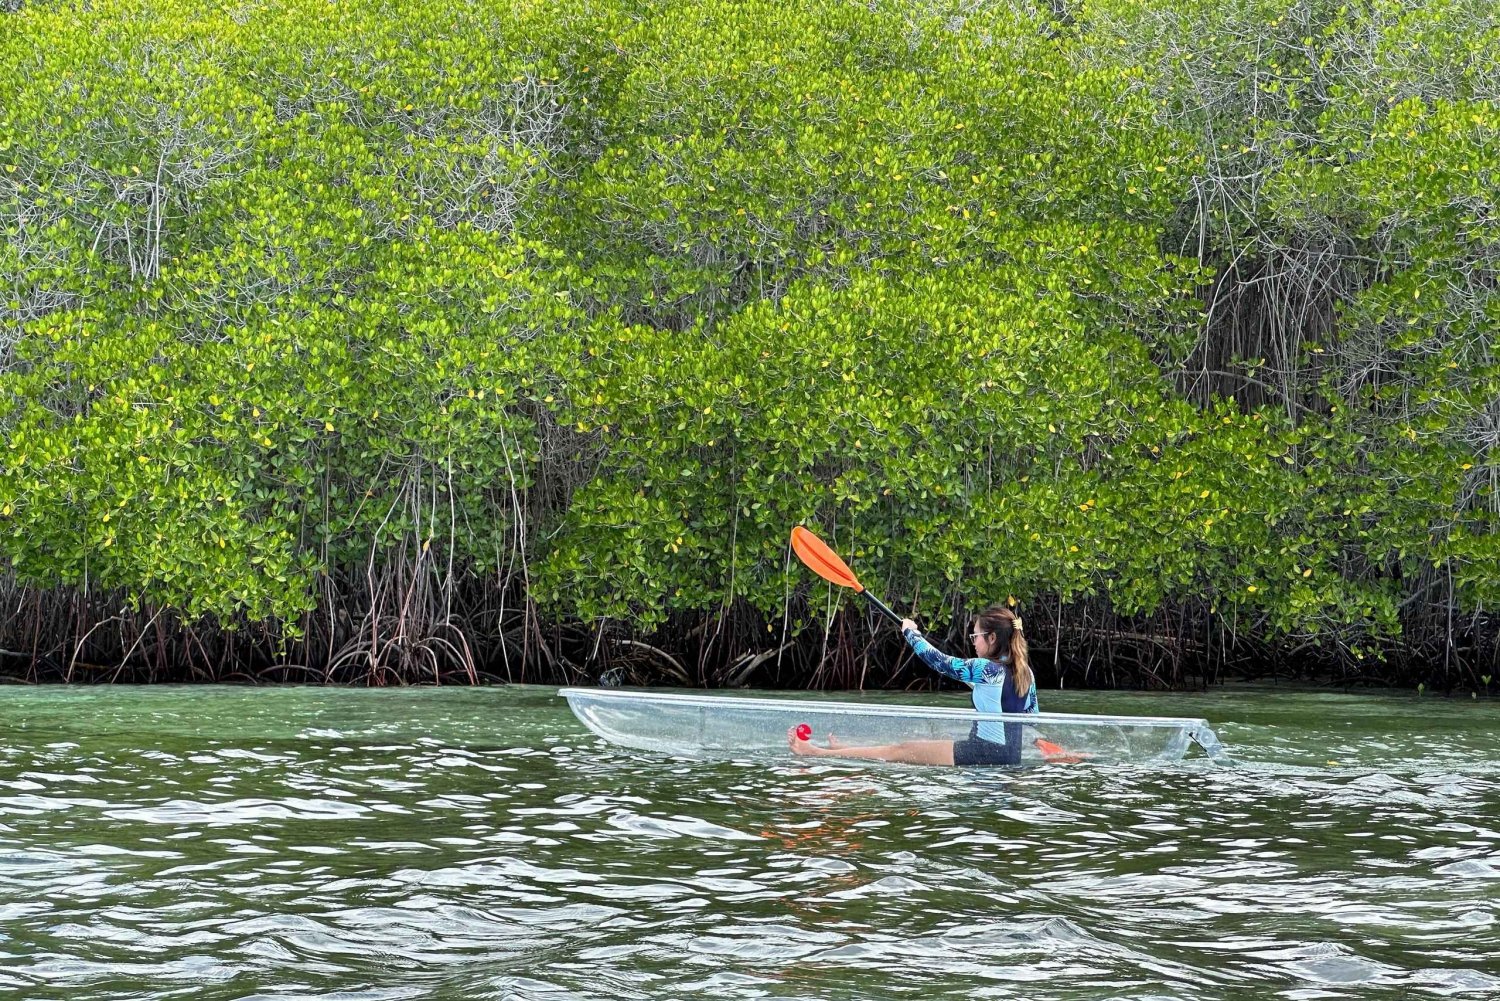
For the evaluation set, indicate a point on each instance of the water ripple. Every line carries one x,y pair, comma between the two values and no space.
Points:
303,843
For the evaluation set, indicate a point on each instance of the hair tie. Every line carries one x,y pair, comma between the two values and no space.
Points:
1016,623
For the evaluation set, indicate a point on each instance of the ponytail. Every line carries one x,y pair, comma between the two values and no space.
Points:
1020,660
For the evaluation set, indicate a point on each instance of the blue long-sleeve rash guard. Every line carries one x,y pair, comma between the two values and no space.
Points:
990,683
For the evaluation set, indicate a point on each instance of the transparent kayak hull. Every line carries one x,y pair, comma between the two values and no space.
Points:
725,726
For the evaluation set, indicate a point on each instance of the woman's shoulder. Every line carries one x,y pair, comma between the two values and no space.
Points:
990,672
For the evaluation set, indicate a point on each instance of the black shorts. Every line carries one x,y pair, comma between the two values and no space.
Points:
978,751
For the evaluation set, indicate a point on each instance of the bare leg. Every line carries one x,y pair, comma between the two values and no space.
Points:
911,752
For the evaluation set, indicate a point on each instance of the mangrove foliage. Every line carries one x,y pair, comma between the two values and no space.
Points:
438,340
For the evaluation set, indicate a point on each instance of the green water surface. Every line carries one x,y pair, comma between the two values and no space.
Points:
224,843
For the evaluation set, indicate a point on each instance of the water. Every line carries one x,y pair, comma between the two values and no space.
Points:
213,843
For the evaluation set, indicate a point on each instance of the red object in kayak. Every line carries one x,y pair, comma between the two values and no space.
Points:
804,732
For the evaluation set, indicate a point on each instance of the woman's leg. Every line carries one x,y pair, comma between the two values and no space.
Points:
911,752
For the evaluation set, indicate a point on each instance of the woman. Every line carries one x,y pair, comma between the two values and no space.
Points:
999,675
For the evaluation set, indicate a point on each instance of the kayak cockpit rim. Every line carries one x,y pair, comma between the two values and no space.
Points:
858,709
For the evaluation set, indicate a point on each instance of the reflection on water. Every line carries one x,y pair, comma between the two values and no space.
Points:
231,843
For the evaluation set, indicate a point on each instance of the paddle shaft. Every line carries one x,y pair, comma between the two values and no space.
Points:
881,606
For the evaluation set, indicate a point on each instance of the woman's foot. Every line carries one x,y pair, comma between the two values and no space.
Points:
802,747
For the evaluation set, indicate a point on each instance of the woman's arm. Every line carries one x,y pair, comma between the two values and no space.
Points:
970,672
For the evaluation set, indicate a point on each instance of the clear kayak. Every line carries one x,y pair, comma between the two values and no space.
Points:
725,726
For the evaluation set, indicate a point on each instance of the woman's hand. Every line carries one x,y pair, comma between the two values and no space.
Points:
908,624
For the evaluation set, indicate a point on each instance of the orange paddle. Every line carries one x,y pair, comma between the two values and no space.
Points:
824,562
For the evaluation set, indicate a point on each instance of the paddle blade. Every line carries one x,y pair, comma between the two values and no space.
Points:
1057,754
823,561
